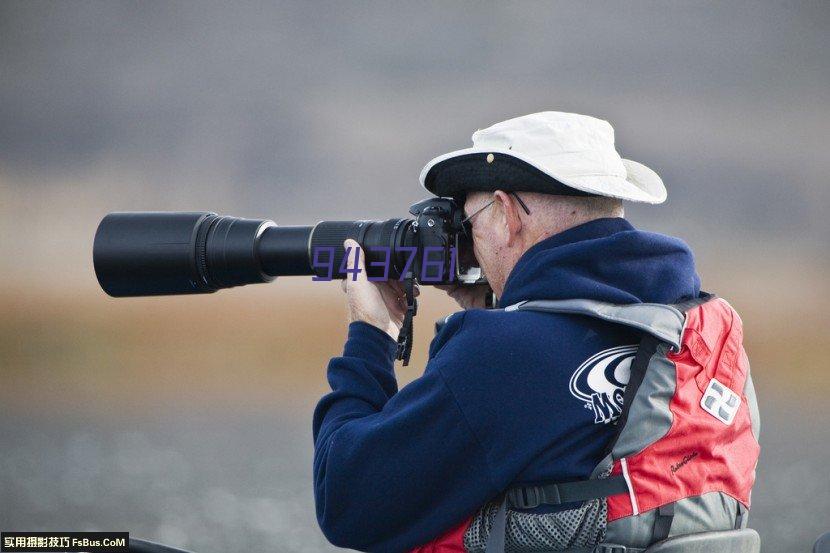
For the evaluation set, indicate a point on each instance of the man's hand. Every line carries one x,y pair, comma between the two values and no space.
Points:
380,304
468,297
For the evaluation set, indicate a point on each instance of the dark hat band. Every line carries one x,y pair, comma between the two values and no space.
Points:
472,172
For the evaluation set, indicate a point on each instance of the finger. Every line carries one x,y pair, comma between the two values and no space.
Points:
394,302
401,290
395,293
396,286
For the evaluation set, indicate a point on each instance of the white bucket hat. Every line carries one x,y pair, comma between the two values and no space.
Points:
551,152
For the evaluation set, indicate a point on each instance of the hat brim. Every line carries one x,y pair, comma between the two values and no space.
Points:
462,171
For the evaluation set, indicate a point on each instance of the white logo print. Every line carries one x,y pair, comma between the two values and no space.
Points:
600,382
720,402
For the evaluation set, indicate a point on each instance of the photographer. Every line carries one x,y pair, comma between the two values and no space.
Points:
498,404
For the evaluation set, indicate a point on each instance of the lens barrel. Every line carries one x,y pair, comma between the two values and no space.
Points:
380,246
146,254
283,251
161,253
155,253
231,252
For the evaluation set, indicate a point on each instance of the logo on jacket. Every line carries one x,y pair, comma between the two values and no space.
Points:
600,382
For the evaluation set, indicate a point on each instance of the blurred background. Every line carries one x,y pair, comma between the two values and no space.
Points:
188,420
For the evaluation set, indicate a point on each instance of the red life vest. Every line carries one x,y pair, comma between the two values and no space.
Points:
684,456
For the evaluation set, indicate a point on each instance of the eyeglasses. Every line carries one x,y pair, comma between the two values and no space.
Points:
491,202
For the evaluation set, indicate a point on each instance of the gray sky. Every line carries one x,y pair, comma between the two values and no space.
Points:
308,110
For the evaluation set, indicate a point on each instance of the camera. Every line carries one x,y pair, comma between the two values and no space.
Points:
163,253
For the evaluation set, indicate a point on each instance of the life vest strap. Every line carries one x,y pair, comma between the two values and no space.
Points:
530,497
662,522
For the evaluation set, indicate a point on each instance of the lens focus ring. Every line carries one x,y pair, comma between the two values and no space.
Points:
201,253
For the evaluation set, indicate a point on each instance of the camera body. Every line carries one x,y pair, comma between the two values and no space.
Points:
440,227
163,253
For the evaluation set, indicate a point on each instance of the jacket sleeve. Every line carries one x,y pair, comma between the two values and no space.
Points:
392,470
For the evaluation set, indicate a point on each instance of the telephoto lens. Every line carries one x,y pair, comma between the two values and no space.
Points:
162,253
158,253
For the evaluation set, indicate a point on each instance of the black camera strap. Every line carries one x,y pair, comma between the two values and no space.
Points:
406,333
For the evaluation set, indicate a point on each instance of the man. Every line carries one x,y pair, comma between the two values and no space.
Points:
496,406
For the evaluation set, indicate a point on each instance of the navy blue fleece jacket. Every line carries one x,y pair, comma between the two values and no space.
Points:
395,469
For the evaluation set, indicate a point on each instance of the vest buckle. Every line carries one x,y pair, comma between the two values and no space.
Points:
610,548
526,497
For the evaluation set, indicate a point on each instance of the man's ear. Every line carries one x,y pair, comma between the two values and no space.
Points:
508,208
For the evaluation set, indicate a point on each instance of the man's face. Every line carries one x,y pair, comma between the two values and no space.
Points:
487,242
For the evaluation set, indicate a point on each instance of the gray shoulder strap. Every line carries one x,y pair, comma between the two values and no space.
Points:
664,322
